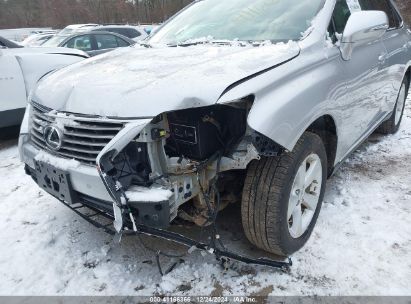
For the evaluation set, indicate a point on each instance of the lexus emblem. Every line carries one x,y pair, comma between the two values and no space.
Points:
53,137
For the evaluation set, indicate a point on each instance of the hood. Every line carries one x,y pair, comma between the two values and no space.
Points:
144,82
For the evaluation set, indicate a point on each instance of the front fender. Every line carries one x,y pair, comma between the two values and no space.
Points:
291,97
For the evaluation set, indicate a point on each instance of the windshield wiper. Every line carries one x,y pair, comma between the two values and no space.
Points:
145,44
188,43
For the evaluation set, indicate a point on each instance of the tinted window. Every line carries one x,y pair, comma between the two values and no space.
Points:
133,33
121,42
341,15
106,41
121,31
342,12
127,32
80,42
55,41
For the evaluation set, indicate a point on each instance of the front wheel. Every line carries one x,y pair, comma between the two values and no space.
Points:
392,125
283,195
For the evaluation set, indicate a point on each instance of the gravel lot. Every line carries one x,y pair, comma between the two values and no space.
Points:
361,245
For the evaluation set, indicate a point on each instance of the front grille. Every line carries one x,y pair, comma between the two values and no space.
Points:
84,137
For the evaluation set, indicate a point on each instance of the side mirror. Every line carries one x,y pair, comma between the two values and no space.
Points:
363,27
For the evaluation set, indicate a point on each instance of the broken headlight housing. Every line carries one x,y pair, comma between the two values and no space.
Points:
201,132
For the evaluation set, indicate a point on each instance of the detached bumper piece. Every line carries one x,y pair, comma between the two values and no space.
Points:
96,218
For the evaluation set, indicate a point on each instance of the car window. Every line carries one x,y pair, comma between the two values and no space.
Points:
2,44
133,33
106,41
343,11
80,42
341,15
117,30
127,32
121,42
55,41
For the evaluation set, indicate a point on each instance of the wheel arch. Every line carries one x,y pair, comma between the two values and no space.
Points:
408,74
326,128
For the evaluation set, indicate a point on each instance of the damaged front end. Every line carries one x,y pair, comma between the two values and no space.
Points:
188,164
152,169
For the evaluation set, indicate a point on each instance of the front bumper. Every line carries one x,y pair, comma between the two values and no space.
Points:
84,179
88,189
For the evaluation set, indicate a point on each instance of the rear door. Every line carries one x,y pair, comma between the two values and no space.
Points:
364,78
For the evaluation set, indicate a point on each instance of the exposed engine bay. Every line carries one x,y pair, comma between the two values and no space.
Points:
193,159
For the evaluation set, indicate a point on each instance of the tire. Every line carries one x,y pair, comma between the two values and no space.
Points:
392,125
267,194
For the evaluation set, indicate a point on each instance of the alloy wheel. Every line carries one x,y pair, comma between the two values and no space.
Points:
305,195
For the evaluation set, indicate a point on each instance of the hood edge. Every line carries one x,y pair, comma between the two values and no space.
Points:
245,79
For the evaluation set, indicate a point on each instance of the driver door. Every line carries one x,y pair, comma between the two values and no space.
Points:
364,78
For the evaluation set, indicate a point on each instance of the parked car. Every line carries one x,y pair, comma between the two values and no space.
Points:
76,28
20,34
96,43
67,32
255,107
20,69
136,33
37,39
8,44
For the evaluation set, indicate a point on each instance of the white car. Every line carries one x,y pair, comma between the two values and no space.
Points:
37,39
20,70
75,28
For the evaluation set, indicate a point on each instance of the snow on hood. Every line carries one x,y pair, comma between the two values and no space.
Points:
144,82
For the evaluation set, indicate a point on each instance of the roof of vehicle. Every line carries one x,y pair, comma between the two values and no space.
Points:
44,32
75,28
119,26
79,26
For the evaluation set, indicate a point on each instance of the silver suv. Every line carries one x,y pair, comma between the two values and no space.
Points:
254,103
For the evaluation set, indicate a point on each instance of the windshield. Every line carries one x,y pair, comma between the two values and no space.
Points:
244,20
55,41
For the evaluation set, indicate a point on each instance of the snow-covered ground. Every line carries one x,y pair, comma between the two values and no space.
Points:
361,245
